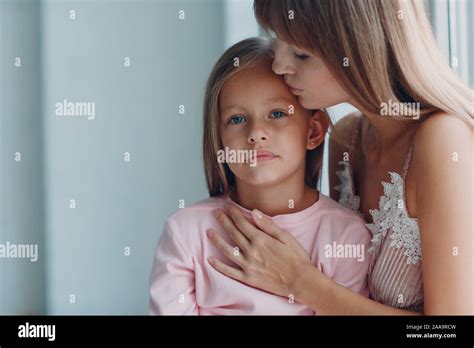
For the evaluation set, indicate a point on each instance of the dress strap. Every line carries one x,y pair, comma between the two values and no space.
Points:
408,157
355,134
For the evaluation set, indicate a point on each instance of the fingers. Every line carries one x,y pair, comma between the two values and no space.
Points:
267,225
226,270
231,253
241,223
263,222
234,231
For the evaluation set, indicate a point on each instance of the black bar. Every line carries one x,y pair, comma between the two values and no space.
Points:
139,330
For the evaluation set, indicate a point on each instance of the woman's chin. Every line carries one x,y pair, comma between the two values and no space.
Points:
310,104
306,102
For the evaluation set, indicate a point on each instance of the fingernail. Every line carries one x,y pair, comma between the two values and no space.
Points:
210,233
257,214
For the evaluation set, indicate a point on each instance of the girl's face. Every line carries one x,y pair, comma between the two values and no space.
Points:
307,76
258,112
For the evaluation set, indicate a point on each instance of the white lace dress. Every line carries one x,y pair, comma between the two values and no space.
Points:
395,273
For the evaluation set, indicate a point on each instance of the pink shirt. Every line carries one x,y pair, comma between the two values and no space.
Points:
183,282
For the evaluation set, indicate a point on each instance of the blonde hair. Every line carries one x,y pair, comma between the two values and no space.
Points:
247,53
389,44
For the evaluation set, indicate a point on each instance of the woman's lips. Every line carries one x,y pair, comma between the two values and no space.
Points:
294,90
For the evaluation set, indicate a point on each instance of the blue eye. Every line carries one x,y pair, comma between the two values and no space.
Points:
236,119
278,114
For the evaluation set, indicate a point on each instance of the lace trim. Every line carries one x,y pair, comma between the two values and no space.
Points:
347,197
392,214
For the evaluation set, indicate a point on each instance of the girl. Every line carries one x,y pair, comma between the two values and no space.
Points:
249,109
409,174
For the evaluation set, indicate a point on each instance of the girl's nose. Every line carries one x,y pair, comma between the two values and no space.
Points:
257,135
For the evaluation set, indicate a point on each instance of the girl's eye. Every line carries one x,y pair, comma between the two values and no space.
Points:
301,56
278,114
236,119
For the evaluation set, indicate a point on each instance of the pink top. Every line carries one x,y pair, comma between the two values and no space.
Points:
183,282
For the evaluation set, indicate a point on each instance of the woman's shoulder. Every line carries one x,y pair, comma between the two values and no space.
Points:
441,140
442,124
340,145
442,134
343,127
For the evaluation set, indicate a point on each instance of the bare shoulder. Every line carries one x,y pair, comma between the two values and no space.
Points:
443,131
440,141
343,127
338,144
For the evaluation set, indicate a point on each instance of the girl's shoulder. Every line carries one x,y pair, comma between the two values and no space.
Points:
196,211
335,210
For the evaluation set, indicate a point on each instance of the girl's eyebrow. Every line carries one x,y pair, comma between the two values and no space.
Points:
273,100
231,107
279,100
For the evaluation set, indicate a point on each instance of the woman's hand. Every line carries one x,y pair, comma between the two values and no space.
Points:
270,259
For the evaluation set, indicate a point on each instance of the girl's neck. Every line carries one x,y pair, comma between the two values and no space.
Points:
284,198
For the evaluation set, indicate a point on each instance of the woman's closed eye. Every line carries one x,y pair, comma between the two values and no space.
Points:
301,56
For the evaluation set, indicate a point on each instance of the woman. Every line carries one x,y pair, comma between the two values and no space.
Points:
407,171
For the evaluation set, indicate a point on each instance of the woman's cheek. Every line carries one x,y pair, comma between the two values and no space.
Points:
305,102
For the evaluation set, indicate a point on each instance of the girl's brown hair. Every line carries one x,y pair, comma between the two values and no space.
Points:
389,44
242,55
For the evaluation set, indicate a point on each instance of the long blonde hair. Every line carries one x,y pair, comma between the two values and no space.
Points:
389,45
241,56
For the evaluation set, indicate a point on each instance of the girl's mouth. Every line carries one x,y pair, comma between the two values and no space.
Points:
265,155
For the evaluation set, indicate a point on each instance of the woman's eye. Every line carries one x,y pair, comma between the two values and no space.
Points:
236,119
278,114
301,56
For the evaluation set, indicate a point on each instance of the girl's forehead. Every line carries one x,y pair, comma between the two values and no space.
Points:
260,71
257,83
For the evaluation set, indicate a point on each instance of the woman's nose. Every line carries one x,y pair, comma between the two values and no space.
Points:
282,67
282,63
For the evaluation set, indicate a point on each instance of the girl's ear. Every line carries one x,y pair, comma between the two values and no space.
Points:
318,126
